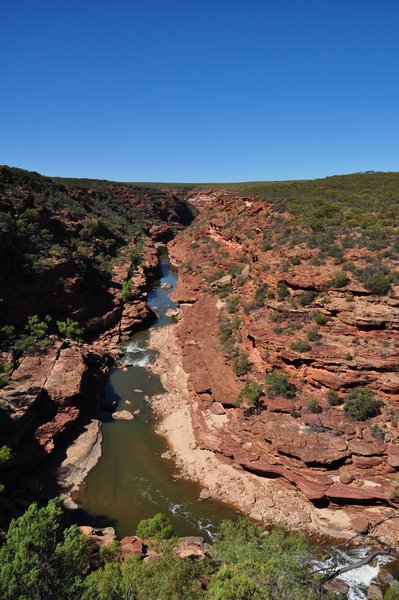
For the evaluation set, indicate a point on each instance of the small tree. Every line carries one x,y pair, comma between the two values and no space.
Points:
70,330
35,335
157,527
126,290
40,559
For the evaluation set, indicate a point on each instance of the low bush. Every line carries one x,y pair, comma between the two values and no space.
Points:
260,295
232,304
5,454
249,394
5,369
300,346
157,527
240,363
333,398
314,406
360,404
378,283
70,329
339,279
282,291
313,335
278,384
320,318
307,297
215,276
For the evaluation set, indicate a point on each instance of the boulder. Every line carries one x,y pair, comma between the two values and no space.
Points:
131,545
217,409
123,415
360,524
190,547
375,592
337,586
345,475
204,494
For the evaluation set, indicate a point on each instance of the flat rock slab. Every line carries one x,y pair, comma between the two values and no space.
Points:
123,415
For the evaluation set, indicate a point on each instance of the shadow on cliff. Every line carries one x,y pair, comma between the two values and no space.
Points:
39,446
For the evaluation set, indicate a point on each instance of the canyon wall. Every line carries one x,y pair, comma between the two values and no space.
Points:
256,300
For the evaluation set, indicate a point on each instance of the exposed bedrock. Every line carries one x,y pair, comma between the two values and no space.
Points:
333,459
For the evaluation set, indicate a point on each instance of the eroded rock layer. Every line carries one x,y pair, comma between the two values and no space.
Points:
253,304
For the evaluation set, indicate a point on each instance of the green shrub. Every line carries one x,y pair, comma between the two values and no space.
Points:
282,290
295,260
157,527
35,335
339,279
314,406
5,369
240,363
392,592
313,335
360,404
41,559
126,290
307,297
266,245
233,304
277,384
378,283
5,454
300,346
333,398
228,333
70,330
249,394
260,295
215,276
320,318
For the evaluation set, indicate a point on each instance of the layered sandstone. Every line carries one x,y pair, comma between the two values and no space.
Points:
329,457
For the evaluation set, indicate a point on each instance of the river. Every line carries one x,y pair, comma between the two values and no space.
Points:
132,481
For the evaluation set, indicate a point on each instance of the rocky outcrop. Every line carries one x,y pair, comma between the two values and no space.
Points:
51,397
332,459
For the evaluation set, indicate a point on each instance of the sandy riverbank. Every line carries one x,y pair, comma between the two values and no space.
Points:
270,501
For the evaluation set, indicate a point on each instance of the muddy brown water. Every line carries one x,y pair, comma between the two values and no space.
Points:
132,481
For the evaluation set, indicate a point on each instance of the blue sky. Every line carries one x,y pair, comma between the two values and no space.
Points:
199,90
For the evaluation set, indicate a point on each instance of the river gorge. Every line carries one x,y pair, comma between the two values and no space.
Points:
132,479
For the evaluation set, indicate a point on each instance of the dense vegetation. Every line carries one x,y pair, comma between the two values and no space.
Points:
43,559
53,232
48,221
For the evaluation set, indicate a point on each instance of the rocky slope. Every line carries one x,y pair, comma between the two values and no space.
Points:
259,296
86,254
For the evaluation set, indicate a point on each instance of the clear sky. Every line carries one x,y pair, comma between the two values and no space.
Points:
199,90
